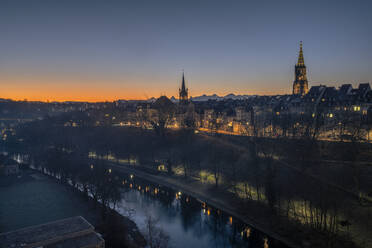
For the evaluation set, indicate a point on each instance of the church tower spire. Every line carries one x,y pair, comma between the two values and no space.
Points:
300,84
183,87
301,61
183,91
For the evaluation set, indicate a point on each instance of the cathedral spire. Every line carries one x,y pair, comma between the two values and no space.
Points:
183,92
301,61
300,84
183,87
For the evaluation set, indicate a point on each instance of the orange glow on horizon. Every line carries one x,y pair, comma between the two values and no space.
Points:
84,90
44,98
81,95
22,96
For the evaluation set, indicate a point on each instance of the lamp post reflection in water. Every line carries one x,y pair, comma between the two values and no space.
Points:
179,214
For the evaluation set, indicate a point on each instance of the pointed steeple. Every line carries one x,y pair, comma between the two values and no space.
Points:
301,61
183,96
300,84
183,87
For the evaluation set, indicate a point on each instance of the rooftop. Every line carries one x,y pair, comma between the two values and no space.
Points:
70,232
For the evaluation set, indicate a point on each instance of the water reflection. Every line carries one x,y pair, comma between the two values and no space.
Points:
188,221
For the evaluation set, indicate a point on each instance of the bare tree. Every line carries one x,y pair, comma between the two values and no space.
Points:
154,235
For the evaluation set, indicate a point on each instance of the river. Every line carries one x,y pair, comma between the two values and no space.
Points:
187,221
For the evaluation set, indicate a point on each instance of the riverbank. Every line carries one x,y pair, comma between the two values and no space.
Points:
248,176
35,198
252,213
208,195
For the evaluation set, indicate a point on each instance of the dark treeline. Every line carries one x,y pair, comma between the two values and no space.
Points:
249,172
96,184
346,164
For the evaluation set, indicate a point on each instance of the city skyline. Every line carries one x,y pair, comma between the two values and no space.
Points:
95,52
186,123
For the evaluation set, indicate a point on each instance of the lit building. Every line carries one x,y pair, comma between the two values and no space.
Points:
300,85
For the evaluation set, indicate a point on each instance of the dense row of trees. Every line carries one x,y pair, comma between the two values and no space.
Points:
247,168
93,181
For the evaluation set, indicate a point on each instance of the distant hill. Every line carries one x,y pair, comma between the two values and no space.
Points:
219,98
204,98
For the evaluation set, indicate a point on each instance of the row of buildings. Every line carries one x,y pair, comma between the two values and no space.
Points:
328,110
321,108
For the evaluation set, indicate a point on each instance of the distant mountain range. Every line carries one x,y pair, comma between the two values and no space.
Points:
219,98
204,98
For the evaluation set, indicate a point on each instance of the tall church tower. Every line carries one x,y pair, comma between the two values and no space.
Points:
183,92
300,85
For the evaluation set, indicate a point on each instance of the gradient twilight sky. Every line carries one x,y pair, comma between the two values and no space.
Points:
134,49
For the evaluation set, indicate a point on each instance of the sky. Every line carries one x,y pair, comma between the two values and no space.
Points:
88,50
